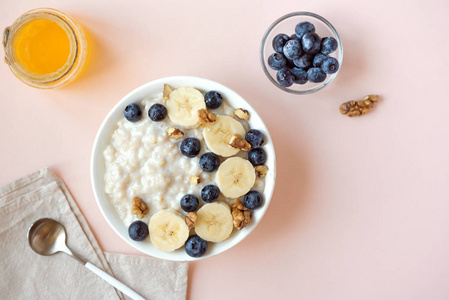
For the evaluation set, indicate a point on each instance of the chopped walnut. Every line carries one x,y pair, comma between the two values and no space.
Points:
240,214
242,114
167,90
139,208
191,219
195,180
360,107
206,117
174,133
261,170
237,141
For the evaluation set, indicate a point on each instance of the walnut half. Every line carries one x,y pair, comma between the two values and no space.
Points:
139,208
191,219
261,171
239,142
206,117
242,114
240,214
174,133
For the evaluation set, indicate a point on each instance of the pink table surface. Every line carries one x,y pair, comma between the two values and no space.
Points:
361,206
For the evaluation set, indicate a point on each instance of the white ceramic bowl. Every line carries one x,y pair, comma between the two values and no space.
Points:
103,138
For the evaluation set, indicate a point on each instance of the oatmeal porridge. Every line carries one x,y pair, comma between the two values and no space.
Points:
178,154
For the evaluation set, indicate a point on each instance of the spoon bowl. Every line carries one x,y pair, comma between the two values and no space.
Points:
47,237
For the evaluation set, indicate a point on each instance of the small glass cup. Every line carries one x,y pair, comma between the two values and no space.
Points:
75,62
286,24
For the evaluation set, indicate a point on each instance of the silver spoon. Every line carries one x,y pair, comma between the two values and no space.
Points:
47,237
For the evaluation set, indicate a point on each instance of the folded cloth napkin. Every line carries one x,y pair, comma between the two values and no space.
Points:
26,275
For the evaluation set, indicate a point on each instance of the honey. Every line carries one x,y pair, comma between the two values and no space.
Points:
42,46
45,48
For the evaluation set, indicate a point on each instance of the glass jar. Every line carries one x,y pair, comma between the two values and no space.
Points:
17,48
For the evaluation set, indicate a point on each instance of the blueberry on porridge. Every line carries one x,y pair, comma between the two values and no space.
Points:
133,113
210,193
184,170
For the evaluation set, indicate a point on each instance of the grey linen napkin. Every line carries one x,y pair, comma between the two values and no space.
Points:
26,275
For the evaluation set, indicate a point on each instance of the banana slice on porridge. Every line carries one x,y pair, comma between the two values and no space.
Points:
168,230
183,105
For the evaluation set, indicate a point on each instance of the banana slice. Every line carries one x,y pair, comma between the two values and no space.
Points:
214,222
183,105
235,177
168,230
219,133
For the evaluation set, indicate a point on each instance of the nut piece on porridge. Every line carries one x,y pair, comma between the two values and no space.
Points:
191,219
240,214
242,114
195,180
174,133
237,141
167,90
205,117
261,171
139,208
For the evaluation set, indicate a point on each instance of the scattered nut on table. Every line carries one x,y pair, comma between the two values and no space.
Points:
360,107
139,208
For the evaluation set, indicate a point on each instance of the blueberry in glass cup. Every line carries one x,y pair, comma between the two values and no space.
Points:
301,53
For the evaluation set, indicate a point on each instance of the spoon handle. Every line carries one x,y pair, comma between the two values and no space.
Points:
114,282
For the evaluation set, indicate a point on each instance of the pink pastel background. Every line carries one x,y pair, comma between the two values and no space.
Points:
361,206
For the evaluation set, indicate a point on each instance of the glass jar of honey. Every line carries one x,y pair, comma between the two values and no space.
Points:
45,48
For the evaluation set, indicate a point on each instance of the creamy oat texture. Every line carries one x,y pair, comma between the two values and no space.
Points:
141,160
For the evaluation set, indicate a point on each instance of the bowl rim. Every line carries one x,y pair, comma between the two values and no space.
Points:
97,152
295,14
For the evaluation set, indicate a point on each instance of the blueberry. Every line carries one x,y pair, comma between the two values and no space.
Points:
189,203
285,77
213,99
255,138
253,200
279,42
257,156
209,162
304,61
133,113
300,75
157,112
330,65
210,193
277,61
318,59
304,27
138,231
316,75
328,45
295,37
292,49
290,64
311,43
195,246
190,147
